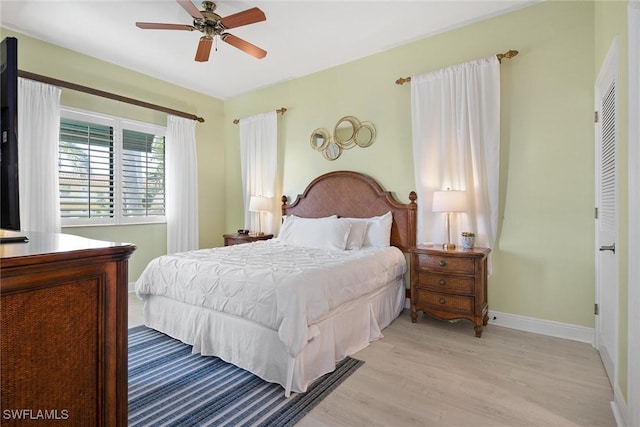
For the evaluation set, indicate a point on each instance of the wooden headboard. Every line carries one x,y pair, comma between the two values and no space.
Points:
355,195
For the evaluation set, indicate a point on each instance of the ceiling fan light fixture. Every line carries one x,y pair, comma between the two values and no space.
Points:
210,24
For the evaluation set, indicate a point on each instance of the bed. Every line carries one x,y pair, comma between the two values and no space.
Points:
288,309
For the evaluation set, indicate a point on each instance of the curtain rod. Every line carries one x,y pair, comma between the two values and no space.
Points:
508,54
279,110
103,94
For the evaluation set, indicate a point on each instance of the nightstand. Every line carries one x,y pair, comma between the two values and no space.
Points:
450,284
236,239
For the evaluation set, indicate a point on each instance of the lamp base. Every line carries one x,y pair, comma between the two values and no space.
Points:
448,246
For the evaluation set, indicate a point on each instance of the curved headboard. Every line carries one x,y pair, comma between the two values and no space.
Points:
355,195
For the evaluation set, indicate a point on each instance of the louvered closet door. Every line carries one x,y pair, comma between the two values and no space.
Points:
607,213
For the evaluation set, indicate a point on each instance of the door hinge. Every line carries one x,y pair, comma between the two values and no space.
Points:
595,116
595,212
596,311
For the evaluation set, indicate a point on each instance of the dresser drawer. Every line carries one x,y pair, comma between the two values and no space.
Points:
445,301
446,283
446,264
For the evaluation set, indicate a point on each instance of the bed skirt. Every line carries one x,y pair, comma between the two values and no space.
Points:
256,348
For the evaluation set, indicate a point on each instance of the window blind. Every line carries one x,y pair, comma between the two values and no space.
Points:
143,188
86,170
111,171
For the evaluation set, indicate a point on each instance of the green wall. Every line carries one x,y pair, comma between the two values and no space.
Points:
43,58
543,265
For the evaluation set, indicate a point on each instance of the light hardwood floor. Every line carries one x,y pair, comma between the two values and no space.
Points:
434,373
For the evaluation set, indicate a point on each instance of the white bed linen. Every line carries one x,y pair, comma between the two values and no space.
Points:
259,350
284,288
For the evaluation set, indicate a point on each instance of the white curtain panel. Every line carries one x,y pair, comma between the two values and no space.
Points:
39,131
181,174
259,159
455,115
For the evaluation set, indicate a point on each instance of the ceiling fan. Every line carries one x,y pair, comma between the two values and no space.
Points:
211,24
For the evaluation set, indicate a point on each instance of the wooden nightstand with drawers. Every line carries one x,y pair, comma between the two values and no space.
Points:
237,239
450,284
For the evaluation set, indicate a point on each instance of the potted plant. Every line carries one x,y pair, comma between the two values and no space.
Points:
468,239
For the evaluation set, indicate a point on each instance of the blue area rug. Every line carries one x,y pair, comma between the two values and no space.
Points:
170,386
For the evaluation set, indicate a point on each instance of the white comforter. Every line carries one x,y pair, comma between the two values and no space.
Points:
285,288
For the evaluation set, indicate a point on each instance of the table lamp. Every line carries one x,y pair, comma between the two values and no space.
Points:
449,201
259,204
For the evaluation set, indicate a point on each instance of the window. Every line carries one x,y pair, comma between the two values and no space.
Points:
111,170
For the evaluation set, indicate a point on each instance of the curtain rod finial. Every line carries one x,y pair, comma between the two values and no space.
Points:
508,54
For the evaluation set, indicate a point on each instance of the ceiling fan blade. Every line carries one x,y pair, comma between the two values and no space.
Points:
244,45
249,16
190,8
204,49
158,26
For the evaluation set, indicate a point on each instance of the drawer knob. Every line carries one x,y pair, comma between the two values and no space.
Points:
442,282
442,263
442,300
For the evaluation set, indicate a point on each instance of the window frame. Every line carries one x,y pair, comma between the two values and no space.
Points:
118,124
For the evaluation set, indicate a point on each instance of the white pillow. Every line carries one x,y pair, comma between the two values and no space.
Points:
287,223
378,229
321,233
357,234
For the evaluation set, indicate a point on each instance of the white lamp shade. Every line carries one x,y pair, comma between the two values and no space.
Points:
259,204
449,201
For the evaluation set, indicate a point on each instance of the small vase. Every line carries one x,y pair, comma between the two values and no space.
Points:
468,242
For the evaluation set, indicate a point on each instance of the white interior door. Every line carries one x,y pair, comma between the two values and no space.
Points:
606,138
633,355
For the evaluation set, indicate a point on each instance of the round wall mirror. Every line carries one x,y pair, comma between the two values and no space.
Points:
365,135
345,131
319,139
332,151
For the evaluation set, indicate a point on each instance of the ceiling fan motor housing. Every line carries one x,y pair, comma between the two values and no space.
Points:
210,26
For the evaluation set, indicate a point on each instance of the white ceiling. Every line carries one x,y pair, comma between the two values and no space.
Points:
301,37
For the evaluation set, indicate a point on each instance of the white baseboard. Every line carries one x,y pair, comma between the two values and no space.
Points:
538,326
542,326
619,407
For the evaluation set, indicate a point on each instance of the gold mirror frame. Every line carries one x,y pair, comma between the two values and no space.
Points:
319,134
346,140
332,151
365,135
347,133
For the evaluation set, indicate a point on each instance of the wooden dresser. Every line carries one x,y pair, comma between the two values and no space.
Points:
63,331
236,239
450,284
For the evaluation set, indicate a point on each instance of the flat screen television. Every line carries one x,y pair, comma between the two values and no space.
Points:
9,192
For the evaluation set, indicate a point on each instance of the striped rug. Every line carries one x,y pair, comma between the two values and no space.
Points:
169,386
